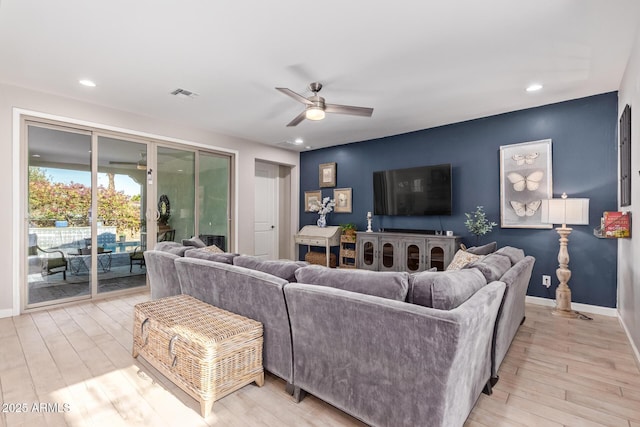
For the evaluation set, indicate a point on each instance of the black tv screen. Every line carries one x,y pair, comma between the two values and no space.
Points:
424,190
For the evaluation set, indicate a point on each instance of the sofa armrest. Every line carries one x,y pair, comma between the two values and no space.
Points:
511,314
389,362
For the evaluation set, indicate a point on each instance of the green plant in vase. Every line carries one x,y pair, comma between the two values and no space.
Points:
478,224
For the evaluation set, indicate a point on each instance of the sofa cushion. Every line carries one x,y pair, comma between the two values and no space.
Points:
492,266
171,247
195,241
203,253
391,285
285,269
515,254
484,249
462,258
444,290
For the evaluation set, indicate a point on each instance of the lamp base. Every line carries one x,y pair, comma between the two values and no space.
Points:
567,314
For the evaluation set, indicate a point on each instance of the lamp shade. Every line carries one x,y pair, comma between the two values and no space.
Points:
565,211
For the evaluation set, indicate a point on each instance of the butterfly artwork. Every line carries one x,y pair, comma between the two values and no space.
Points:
530,182
525,209
526,171
522,159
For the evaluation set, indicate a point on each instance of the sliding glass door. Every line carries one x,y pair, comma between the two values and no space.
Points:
175,194
121,236
214,199
96,201
59,213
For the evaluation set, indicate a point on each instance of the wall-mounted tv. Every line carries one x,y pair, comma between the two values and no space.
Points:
424,190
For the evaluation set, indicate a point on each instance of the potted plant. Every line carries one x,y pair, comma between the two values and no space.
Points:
478,224
348,229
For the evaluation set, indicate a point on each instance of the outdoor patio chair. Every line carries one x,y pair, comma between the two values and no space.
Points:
51,261
137,256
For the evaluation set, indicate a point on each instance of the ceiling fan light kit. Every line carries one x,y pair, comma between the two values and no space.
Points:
314,113
316,107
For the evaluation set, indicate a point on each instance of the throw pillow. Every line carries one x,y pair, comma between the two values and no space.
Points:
492,266
384,284
213,249
515,254
203,253
484,249
462,258
196,242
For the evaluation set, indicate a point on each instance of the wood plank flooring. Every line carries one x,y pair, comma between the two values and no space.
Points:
72,366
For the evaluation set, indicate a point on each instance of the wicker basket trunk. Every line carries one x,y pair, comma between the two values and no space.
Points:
206,351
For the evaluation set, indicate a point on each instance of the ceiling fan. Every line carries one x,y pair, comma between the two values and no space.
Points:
316,107
140,164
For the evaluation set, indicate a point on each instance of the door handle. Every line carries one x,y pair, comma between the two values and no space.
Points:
273,226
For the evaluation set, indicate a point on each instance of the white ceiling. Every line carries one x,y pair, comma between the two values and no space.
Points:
419,64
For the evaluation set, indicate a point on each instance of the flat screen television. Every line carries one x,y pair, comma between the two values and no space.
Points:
418,191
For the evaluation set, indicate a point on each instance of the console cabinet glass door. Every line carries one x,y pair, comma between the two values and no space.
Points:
367,252
414,255
389,253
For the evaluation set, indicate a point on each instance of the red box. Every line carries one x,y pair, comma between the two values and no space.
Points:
617,224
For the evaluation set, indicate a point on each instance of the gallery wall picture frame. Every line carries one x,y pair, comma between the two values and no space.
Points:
311,198
625,156
342,197
525,180
327,175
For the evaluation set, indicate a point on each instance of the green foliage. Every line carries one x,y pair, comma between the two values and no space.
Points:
50,201
477,222
349,226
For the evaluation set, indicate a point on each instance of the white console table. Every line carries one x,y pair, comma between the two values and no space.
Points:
312,235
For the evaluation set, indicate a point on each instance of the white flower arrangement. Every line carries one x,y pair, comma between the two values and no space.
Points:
323,208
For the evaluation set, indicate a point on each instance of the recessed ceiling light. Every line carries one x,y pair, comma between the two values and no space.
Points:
35,155
534,87
308,147
298,141
86,82
180,170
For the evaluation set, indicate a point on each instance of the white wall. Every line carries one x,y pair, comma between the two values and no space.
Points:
14,97
629,249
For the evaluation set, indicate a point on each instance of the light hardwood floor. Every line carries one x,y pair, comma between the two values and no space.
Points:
558,372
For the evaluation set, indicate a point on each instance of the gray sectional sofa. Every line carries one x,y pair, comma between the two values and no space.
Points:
391,349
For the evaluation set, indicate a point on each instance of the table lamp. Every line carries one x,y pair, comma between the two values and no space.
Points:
564,211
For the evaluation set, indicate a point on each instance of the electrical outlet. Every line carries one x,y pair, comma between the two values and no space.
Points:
546,280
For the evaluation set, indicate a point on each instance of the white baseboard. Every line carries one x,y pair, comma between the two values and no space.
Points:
7,312
636,352
585,308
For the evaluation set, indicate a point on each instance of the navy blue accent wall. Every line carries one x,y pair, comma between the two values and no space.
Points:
584,143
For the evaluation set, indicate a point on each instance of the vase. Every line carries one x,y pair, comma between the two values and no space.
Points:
322,221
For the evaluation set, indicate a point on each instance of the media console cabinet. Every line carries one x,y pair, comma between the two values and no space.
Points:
386,251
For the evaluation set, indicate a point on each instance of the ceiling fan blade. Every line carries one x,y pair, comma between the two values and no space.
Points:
348,109
294,95
300,117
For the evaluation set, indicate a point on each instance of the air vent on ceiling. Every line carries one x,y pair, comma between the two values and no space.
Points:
183,93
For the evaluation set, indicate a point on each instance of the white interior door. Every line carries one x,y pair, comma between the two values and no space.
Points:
266,211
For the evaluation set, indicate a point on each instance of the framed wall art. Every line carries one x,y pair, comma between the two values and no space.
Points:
342,196
311,198
327,175
625,157
525,180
